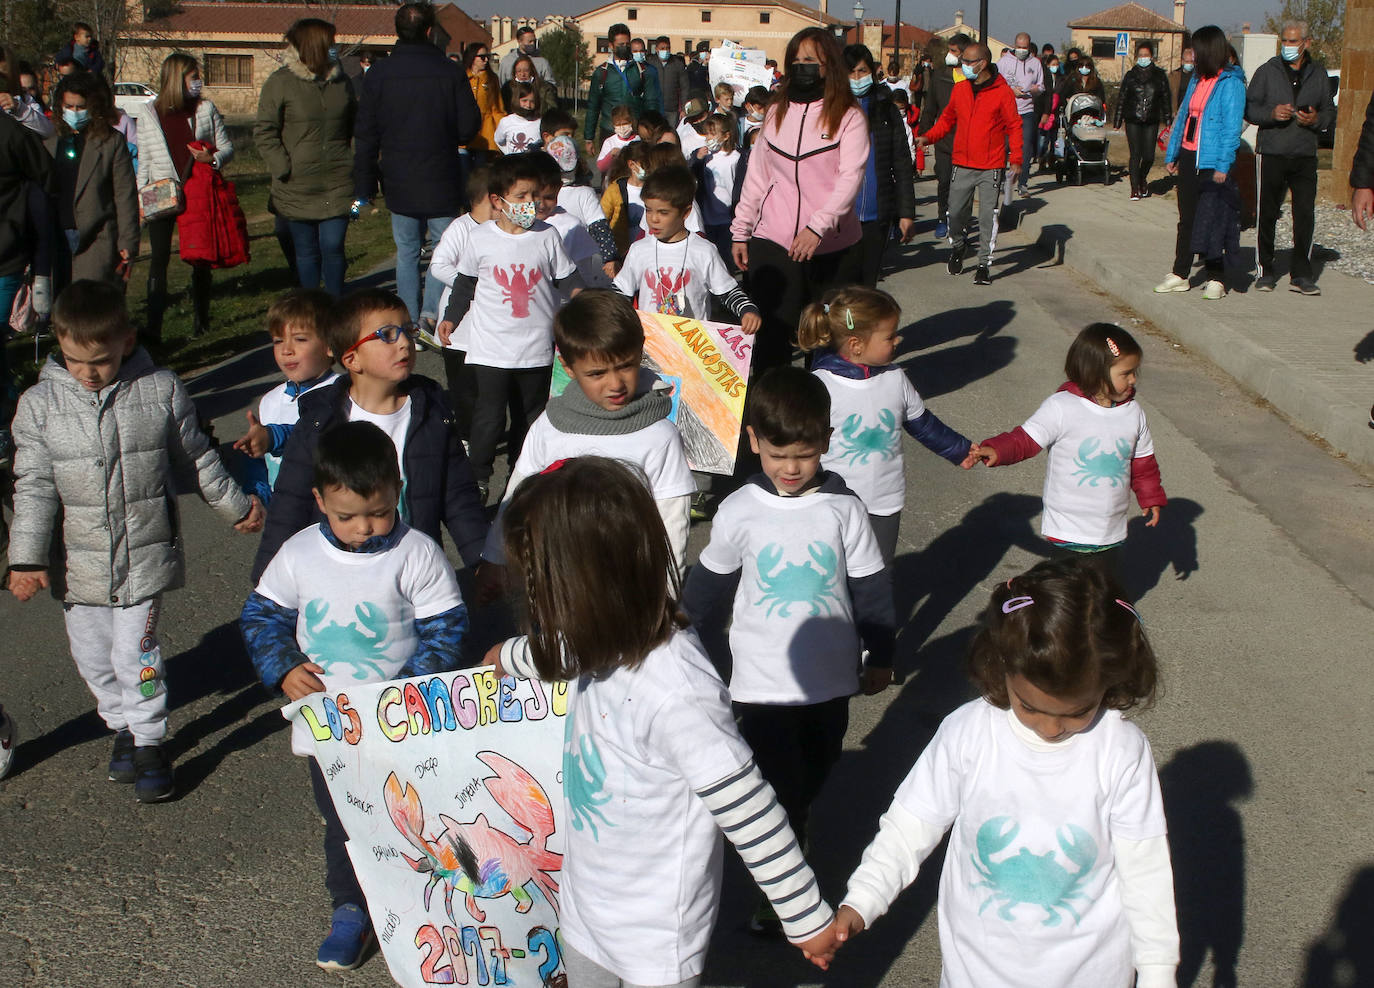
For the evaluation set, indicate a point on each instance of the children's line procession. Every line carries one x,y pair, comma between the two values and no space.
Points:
667,452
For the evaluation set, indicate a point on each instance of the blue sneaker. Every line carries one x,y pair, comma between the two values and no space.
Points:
154,782
350,934
122,758
942,230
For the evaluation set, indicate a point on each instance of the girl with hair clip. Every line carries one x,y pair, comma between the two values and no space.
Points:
714,167
641,874
1100,448
856,331
1058,866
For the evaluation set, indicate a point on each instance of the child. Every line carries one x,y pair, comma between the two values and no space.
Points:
641,874
577,196
755,106
628,171
453,337
98,439
83,49
625,134
869,397
661,156
725,101
576,240
97,196
671,270
1100,448
654,127
362,557
694,116
1043,766
614,407
795,644
715,167
518,130
510,276
297,323
374,339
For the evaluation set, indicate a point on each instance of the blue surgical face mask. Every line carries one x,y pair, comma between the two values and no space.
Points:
1187,66
1054,69
1085,71
76,119
1144,61
1291,52
664,54
860,86
969,71
639,57
333,55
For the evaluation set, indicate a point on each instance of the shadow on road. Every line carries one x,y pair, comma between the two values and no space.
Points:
1344,955
1207,842
1151,552
77,731
939,372
1364,350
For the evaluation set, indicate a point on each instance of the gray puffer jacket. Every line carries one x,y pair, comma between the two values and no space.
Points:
103,462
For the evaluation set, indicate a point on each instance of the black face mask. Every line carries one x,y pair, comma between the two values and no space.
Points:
622,52
805,79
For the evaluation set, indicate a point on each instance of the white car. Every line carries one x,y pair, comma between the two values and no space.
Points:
127,95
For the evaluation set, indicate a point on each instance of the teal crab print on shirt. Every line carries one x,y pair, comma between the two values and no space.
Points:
858,445
360,644
584,781
1026,878
1094,467
798,583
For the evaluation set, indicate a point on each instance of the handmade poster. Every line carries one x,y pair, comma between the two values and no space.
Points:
706,367
742,68
450,788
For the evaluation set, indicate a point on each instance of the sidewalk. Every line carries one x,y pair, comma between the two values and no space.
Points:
1297,353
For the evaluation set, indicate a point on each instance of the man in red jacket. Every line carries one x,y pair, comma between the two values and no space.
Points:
987,125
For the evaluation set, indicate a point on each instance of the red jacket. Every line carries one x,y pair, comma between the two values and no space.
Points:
987,121
212,229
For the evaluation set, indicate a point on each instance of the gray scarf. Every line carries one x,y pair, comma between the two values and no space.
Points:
573,411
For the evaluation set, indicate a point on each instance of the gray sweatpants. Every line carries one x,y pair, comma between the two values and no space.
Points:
583,972
987,182
117,653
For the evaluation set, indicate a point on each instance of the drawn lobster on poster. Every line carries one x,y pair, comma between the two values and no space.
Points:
475,858
516,288
666,289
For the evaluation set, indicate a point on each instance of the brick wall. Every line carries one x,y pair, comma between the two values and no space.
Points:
1357,83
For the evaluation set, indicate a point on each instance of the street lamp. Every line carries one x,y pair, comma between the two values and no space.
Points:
858,22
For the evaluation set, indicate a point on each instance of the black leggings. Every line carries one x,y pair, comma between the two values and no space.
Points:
1141,139
795,747
1189,178
160,254
524,391
461,390
782,287
872,243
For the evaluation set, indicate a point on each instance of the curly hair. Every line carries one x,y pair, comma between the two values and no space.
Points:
1073,632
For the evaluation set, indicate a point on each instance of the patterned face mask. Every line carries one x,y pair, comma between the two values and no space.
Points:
519,213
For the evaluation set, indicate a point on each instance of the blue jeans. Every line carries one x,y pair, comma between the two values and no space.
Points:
1029,122
409,234
9,287
320,252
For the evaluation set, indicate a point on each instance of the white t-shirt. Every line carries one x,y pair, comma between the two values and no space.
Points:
395,424
582,202
277,407
690,140
656,452
613,144
642,871
581,247
356,611
444,266
678,279
1029,895
512,311
792,635
1088,477
640,226
516,135
718,188
866,446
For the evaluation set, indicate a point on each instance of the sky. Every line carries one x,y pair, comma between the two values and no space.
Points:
1044,19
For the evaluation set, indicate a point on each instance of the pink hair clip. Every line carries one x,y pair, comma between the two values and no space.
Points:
1134,612
1112,348
1016,603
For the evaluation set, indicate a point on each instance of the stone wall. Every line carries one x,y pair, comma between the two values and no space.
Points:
1357,83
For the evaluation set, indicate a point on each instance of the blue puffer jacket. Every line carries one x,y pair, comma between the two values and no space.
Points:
1223,118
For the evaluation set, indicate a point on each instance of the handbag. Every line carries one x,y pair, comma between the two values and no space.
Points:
22,316
160,199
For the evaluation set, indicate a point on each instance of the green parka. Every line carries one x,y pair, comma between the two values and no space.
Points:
304,133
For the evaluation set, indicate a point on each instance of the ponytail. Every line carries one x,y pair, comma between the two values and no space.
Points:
813,331
844,313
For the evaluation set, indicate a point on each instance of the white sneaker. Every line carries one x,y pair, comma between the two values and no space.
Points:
1213,290
1173,283
6,743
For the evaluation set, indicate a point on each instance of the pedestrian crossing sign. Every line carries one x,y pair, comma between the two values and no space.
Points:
1123,44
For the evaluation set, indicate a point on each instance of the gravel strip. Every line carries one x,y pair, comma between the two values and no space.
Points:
1348,249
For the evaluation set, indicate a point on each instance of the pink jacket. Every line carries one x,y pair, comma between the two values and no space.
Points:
799,177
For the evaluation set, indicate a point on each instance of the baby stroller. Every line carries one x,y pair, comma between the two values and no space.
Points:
1085,139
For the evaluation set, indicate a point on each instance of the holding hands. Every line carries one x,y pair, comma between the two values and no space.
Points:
252,522
976,453
820,949
25,583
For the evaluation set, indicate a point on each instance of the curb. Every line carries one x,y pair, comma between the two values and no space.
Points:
1310,406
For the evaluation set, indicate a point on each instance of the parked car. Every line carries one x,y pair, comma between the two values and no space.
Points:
127,95
1327,138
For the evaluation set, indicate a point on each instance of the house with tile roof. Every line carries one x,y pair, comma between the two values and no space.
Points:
961,26
1097,34
238,45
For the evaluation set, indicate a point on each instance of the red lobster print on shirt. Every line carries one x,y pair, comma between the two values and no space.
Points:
667,289
516,288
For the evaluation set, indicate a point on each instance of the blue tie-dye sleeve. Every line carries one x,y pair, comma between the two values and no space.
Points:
440,646
269,634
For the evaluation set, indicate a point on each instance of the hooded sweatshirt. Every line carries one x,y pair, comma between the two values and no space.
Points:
987,121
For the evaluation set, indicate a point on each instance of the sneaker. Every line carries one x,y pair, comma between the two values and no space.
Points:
122,759
1145,192
1135,194
955,265
765,922
1173,283
6,743
350,934
1023,191
425,337
154,782
1213,290
1265,283
942,230
1303,286
702,506
982,276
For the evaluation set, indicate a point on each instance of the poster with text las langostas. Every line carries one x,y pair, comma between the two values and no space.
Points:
450,788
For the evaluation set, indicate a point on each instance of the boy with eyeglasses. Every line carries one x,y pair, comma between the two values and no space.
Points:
375,341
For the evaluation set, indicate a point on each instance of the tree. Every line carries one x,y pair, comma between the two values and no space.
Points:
33,28
1325,22
568,57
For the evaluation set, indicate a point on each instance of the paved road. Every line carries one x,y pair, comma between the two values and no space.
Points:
1256,589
